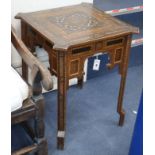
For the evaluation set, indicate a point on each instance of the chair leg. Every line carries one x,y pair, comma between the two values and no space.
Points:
42,148
39,128
39,121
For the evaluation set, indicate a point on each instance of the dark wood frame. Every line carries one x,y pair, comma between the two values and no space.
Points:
33,107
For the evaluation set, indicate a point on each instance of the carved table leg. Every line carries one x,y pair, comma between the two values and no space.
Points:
81,77
80,82
120,101
62,92
123,71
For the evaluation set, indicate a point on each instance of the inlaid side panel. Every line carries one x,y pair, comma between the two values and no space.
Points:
118,55
115,57
74,67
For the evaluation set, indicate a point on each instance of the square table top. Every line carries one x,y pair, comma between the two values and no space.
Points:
73,25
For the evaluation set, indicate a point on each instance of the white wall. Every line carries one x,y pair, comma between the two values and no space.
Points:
35,5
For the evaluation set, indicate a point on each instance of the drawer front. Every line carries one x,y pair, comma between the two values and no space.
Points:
114,42
106,44
81,50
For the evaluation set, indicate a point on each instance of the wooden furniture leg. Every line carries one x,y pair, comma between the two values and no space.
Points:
120,101
43,148
39,122
62,92
23,37
123,71
80,82
81,78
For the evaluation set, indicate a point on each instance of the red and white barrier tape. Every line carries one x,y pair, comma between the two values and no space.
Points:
119,11
128,10
137,41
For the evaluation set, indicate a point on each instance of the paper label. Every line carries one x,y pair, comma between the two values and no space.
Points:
96,65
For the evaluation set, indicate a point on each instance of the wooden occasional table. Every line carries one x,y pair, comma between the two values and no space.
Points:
70,35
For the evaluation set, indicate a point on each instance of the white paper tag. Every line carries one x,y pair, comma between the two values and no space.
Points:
61,134
96,65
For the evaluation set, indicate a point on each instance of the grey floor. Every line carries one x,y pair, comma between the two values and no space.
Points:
92,118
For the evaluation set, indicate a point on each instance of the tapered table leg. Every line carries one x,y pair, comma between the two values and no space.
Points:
123,72
62,92
120,101
80,82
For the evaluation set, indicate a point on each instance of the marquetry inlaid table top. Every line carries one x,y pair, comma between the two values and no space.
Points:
73,25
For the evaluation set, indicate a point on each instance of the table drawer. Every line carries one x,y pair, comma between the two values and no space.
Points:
101,45
114,42
81,50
